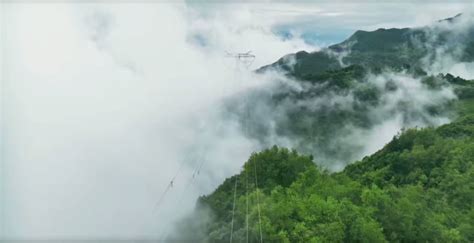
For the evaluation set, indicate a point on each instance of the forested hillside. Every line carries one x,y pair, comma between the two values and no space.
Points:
418,188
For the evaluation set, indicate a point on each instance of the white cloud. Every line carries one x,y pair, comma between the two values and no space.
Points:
102,105
331,17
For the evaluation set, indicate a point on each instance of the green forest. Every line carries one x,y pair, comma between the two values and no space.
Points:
417,188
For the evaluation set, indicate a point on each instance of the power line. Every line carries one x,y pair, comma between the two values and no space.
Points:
246,127
170,185
258,203
164,232
201,157
246,59
158,203
233,210
247,212
186,187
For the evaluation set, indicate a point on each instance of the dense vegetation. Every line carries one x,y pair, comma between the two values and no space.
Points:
418,188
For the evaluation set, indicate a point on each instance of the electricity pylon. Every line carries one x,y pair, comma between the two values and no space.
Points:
245,58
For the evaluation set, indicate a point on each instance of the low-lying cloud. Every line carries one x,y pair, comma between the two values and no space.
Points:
339,127
105,105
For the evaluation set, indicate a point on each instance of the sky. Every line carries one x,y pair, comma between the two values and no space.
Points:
104,103
323,23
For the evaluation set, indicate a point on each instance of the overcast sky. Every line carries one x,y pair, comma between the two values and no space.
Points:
328,22
103,103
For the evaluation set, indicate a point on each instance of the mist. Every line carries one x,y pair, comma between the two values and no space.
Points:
104,106
339,126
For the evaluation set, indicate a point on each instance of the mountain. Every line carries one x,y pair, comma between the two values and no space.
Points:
419,187
396,49
332,100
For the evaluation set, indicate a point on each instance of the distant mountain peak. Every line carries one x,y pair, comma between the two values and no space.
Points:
451,19
384,48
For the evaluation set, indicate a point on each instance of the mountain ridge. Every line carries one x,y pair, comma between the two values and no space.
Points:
419,187
393,48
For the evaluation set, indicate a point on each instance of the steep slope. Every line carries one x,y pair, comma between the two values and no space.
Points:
418,188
